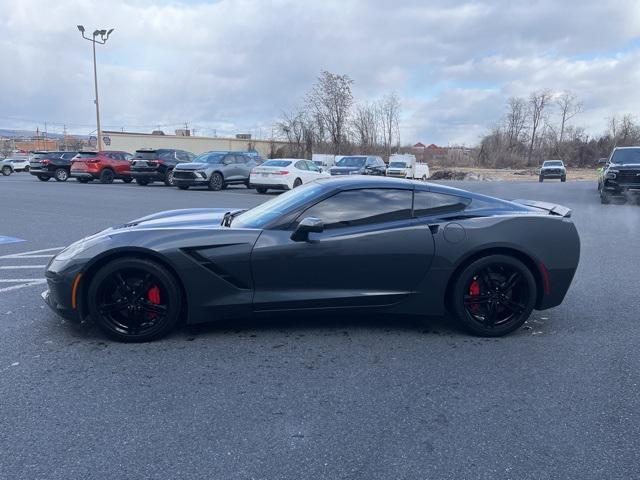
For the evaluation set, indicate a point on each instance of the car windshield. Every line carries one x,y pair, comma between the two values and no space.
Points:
263,214
397,164
626,156
351,161
552,163
148,155
276,163
209,157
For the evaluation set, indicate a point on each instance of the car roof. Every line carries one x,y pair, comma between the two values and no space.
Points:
626,148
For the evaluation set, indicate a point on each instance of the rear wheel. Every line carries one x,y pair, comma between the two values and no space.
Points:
168,178
44,178
297,182
142,181
216,182
107,176
494,295
6,171
134,300
261,190
61,175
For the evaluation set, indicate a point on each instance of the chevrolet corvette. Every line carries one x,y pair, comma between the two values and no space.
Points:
348,243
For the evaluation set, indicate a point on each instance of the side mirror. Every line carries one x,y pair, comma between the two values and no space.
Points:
305,227
602,161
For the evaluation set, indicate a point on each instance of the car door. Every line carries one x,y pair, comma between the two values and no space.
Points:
314,171
371,253
302,171
245,165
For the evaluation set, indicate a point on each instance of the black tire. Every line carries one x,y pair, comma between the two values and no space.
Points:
61,175
216,182
297,182
261,190
44,178
27,168
183,187
168,178
83,180
540,178
493,295
605,199
142,181
6,170
127,179
107,176
563,179
247,184
424,178
134,300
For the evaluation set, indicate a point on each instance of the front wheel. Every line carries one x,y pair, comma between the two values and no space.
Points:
26,169
168,178
6,171
216,182
106,176
563,179
494,295
61,175
134,300
605,199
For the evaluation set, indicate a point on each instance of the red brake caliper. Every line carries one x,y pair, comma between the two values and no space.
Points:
474,291
154,297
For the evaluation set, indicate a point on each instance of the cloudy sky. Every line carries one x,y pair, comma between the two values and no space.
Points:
234,65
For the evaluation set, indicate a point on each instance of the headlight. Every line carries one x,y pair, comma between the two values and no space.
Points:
354,172
611,174
77,247
202,174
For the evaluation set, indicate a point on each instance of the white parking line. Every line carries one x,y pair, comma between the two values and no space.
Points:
14,267
24,283
33,253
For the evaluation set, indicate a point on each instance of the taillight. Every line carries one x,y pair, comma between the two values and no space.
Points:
282,172
159,162
44,161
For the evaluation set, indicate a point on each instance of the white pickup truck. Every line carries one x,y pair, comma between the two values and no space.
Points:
406,166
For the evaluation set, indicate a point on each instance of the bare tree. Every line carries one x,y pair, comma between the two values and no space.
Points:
569,107
330,101
365,127
389,113
538,101
515,120
298,130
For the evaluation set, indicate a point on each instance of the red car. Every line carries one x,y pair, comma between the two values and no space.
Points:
106,166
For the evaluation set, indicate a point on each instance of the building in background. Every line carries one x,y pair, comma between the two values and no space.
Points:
130,142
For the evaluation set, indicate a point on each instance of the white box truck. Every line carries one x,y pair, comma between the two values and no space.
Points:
324,161
406,166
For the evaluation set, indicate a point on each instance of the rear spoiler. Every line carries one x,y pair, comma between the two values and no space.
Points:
552,208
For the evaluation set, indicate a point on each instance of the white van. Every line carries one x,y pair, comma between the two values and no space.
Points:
406,166
324,161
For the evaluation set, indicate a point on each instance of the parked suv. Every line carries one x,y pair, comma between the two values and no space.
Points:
215,170
621,174
14,164
105,166
150,166
46,165
360,165
553,169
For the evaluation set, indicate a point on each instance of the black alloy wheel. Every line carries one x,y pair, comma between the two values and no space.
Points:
494,295
107,176
61,175
216,182
297,182
6,170
168,179
134,300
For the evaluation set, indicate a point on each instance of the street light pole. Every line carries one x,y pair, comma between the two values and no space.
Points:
104,36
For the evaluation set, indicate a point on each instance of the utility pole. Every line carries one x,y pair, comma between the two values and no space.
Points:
104,36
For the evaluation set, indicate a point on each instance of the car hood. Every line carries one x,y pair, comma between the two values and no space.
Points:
626,166
192,166
192,218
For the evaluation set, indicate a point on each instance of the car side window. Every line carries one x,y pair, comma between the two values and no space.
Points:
241,159
361,207
312,166
426,204
301,165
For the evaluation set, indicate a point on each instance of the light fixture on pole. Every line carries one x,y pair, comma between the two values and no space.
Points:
104,36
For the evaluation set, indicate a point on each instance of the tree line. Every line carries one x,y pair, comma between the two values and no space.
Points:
329,120
544,126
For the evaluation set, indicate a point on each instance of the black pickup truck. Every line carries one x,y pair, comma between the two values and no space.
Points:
620,175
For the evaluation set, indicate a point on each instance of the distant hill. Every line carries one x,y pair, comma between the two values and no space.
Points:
10,133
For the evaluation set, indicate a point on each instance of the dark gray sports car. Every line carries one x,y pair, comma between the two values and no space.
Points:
348,243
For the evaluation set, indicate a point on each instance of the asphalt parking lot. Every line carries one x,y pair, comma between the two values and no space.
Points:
317,397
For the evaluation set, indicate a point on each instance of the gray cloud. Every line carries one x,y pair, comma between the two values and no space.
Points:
234,65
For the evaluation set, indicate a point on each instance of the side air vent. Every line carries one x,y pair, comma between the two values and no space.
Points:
216,269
